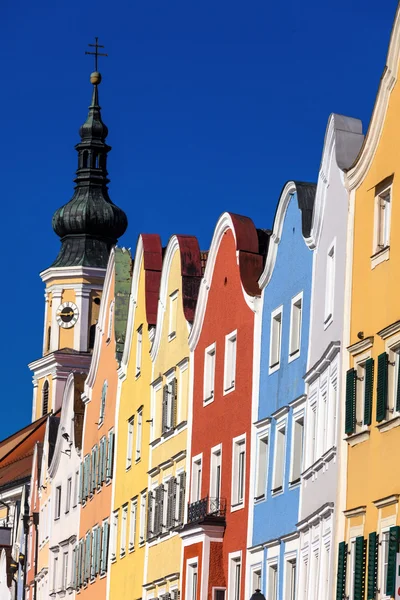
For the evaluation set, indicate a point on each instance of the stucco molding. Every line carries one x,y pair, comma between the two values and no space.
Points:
358,171
390,330
188,247
281,412
343,140
68,272
246,240
387,501
321,513
323,362
358,511
361,346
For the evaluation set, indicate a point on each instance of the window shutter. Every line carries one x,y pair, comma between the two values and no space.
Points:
368,390
85,478
398,386
94,468
149,515
104,459
110,455
174,401
394,538
164,409
359,568
73,578
80,483
104,547
98,550
341,572
158,509
78,566
171,495
350,401
82,562
372,565
182,490
99,464
382,387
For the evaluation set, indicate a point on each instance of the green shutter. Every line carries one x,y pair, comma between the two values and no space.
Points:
359,568
351,380
98,546
110,455
341,571
372,565
382,387
394,538
80,483
104,554
368,390
174,409
74,555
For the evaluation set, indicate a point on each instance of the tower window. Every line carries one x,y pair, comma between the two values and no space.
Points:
48,337
45,398
92,335
85,156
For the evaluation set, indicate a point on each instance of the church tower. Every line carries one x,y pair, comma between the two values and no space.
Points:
88,226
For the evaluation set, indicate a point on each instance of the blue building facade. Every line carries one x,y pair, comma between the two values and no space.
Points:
279,428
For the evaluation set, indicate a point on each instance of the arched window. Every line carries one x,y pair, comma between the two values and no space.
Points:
85,156
45,398
103,402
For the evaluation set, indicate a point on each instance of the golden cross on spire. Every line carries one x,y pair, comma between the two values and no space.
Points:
96,53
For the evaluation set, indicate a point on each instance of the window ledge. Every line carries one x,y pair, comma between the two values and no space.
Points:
259,499
389,424
238,506
273,368
380,257
357,438
328,321
171,336
128,468
294,355
229,389
131,549
277,491
208,400
295,483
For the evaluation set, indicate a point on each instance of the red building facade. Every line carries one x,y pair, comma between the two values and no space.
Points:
221,343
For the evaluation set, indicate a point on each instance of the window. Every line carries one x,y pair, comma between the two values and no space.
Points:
262,466
290,580
110,455
129,447
295,326
110,321
103,403
238,471
255,580
209,373
55,569
173,311
139,434
114,535
272,582
104,547
352,560
57,506
132,525
276,338
230,362
279,466
215,480
65,571
393,379
235,571
384,556
139,350
297,449
45,398
142,523
329,285
383,212
68,496
76,489
219,593
124,523
196,479
192,575
169,406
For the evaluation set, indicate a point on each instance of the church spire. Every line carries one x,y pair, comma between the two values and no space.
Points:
90,224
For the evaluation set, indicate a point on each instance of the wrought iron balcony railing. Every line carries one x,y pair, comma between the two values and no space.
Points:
206,507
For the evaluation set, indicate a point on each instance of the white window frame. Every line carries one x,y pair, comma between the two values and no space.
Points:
68,497
261,436
192,568
139,432
114,535
392,347
272,564
64,572
57,502
381,564
275,365
76,489
382,223
132,524
238,445
139,346
289,590
142,518
294,478
124,528
295,353
197,465
330,276
234,560
281,424
256,571
102,412
230,362
215,461
210,356
173,315
129,442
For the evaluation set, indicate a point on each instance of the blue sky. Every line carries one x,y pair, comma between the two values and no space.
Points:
211,106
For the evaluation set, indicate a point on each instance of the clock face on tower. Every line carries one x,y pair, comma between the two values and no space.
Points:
67,315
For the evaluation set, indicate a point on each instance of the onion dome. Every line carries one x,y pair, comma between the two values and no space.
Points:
89,224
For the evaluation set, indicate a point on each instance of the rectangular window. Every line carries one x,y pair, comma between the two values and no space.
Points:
57,507
192,581
290,580
238,471
139,350
295,326
276,338
114,535
383,201
215,480
173,312
262,466
104,547
209,373
230,362
297,449
76,488
55,574
272,582
129,443
142,523
352,565
196,480
139,434
384,557
132,525
68,496
235,571
329,285
219,594
279,466
124,523
65,571
255,580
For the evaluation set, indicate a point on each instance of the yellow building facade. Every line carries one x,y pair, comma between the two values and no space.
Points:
370,526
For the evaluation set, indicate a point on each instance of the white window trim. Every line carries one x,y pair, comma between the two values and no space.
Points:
142,518
210,398
297,416
295,355
328,315
130,443
229,388
234,558
378,195
154,425
214,450
195,460
139,435
124,529
114,535
253,569
291,557
281,424
263,433
139,351
392,347
238,505
172,298
271,563
275,367
218,588
190,564
132,542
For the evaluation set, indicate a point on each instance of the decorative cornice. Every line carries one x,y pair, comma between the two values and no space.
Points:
298,401
390,330
280,412
318,515
387,501
361,346
259,424
358,511
322,363
69,272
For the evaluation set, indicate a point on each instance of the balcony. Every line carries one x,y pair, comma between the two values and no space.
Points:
207,508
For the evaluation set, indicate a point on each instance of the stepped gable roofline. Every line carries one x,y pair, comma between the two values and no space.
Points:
250,246
343,140
357,172
148,249
120,261
191,274
305,193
